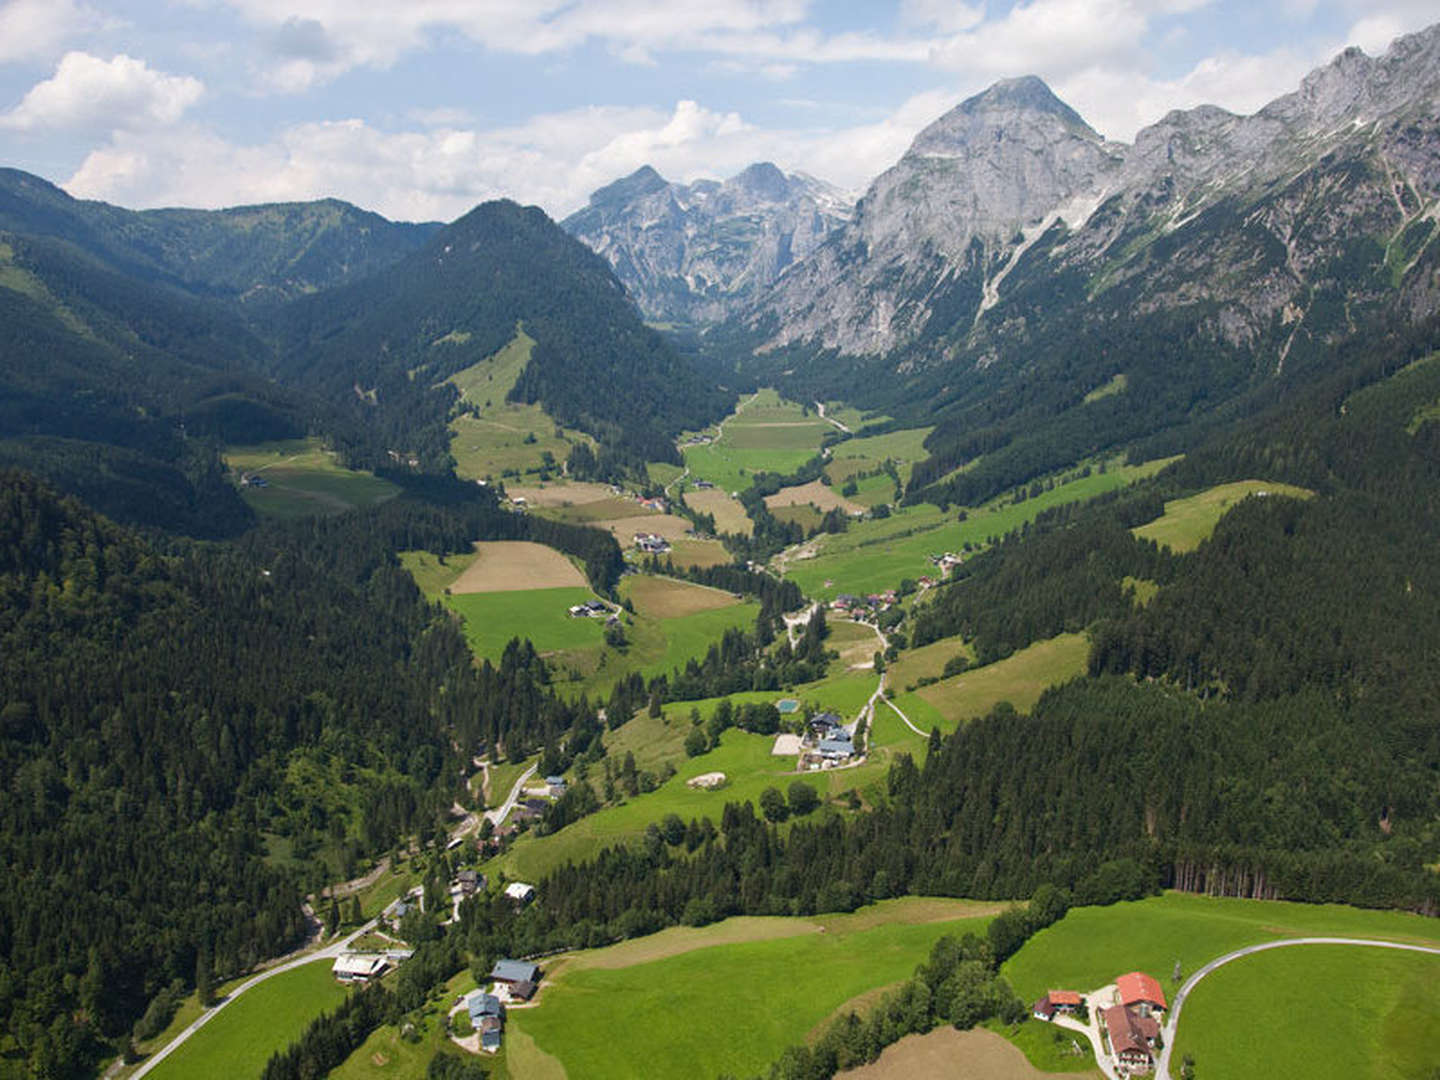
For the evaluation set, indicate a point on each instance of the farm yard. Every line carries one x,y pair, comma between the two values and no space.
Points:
300,478
648,1007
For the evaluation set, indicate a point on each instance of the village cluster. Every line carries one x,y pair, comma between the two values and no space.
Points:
1121,1020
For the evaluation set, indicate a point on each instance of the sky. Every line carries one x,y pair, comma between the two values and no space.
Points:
419,109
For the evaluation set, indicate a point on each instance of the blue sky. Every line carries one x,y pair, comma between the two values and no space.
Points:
421,108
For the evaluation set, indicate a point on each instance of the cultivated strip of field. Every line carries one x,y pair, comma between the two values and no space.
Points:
667,598
765,434
1325,1012
303,479
659,1018
670,526
568,493
729,515
1186,522
822,496
1019,679
947,1054
516,565
1092,945
701,553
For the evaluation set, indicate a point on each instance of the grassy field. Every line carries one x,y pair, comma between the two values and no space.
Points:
823,497
505,437
807,517
652,1014
766,434
729,515
876,555
1019,679
302,479
700,553
542,615
1186,522
865,455
435,573
263,1020
1325,1012
928,661
1092,945
1117,385
667,598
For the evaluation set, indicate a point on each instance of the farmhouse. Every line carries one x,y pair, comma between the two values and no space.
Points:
482,1005
827,725
359,967
1132,1037
470,882
1141,993
555,785
520,893
490,1029
652,543
837,749
514,979
1057,1001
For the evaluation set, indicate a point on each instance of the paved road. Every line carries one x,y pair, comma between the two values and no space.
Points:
498,815
1162,1070
1092,1032
327,953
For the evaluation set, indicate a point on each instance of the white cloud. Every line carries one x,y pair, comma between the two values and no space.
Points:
33,29
90,94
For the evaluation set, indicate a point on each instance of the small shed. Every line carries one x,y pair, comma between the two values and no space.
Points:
520,892
359,967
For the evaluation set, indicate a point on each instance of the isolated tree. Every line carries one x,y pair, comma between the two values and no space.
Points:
802,798
772,805
696,743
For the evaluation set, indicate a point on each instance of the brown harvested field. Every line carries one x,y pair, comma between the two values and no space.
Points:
666,598
729,515
575,492
700,553
669,526
952,1055
821,495
512,565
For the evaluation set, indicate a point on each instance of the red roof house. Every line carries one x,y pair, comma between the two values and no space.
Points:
1131,1037
1063,1001
1140,991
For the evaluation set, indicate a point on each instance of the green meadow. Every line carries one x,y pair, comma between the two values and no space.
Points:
766,434
435,573
876,555
491,619
866,454
264,1019
1019,679
1186,522
679,1015
302,479
1092,945
1325,1012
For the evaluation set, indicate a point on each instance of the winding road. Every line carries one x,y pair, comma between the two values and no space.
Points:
1162,1068
501,812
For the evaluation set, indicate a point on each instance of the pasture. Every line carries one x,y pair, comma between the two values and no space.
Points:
515,565
1019,679
266,1018
1325,1012
302,479
928,661
491,619
729,515
765,434
670,526
947,1054
1092,945
565,493
876,555
807,517
668,598
1186,522
506,437
435,573
653,1013
690,552
867,454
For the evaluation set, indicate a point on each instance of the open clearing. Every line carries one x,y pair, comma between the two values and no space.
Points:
729,515
657,1018
303,479
266,1018
542,615
1019,679
947,1054
814,493
669,526
1186,522
875,555
928,661
514,565
569,493
690,552
765,434
1092,945
435,573
667,598
1327,1012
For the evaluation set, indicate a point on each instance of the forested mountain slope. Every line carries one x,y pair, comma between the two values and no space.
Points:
161,708
383,345
1013,264
257,255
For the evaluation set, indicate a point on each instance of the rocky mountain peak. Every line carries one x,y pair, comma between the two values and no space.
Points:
643,181
1005,108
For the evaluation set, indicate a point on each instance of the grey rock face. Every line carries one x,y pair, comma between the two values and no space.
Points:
1246,214
695,253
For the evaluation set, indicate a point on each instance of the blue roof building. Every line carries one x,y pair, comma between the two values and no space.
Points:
514,971
483,1005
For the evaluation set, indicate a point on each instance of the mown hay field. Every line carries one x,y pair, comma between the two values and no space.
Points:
516,565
